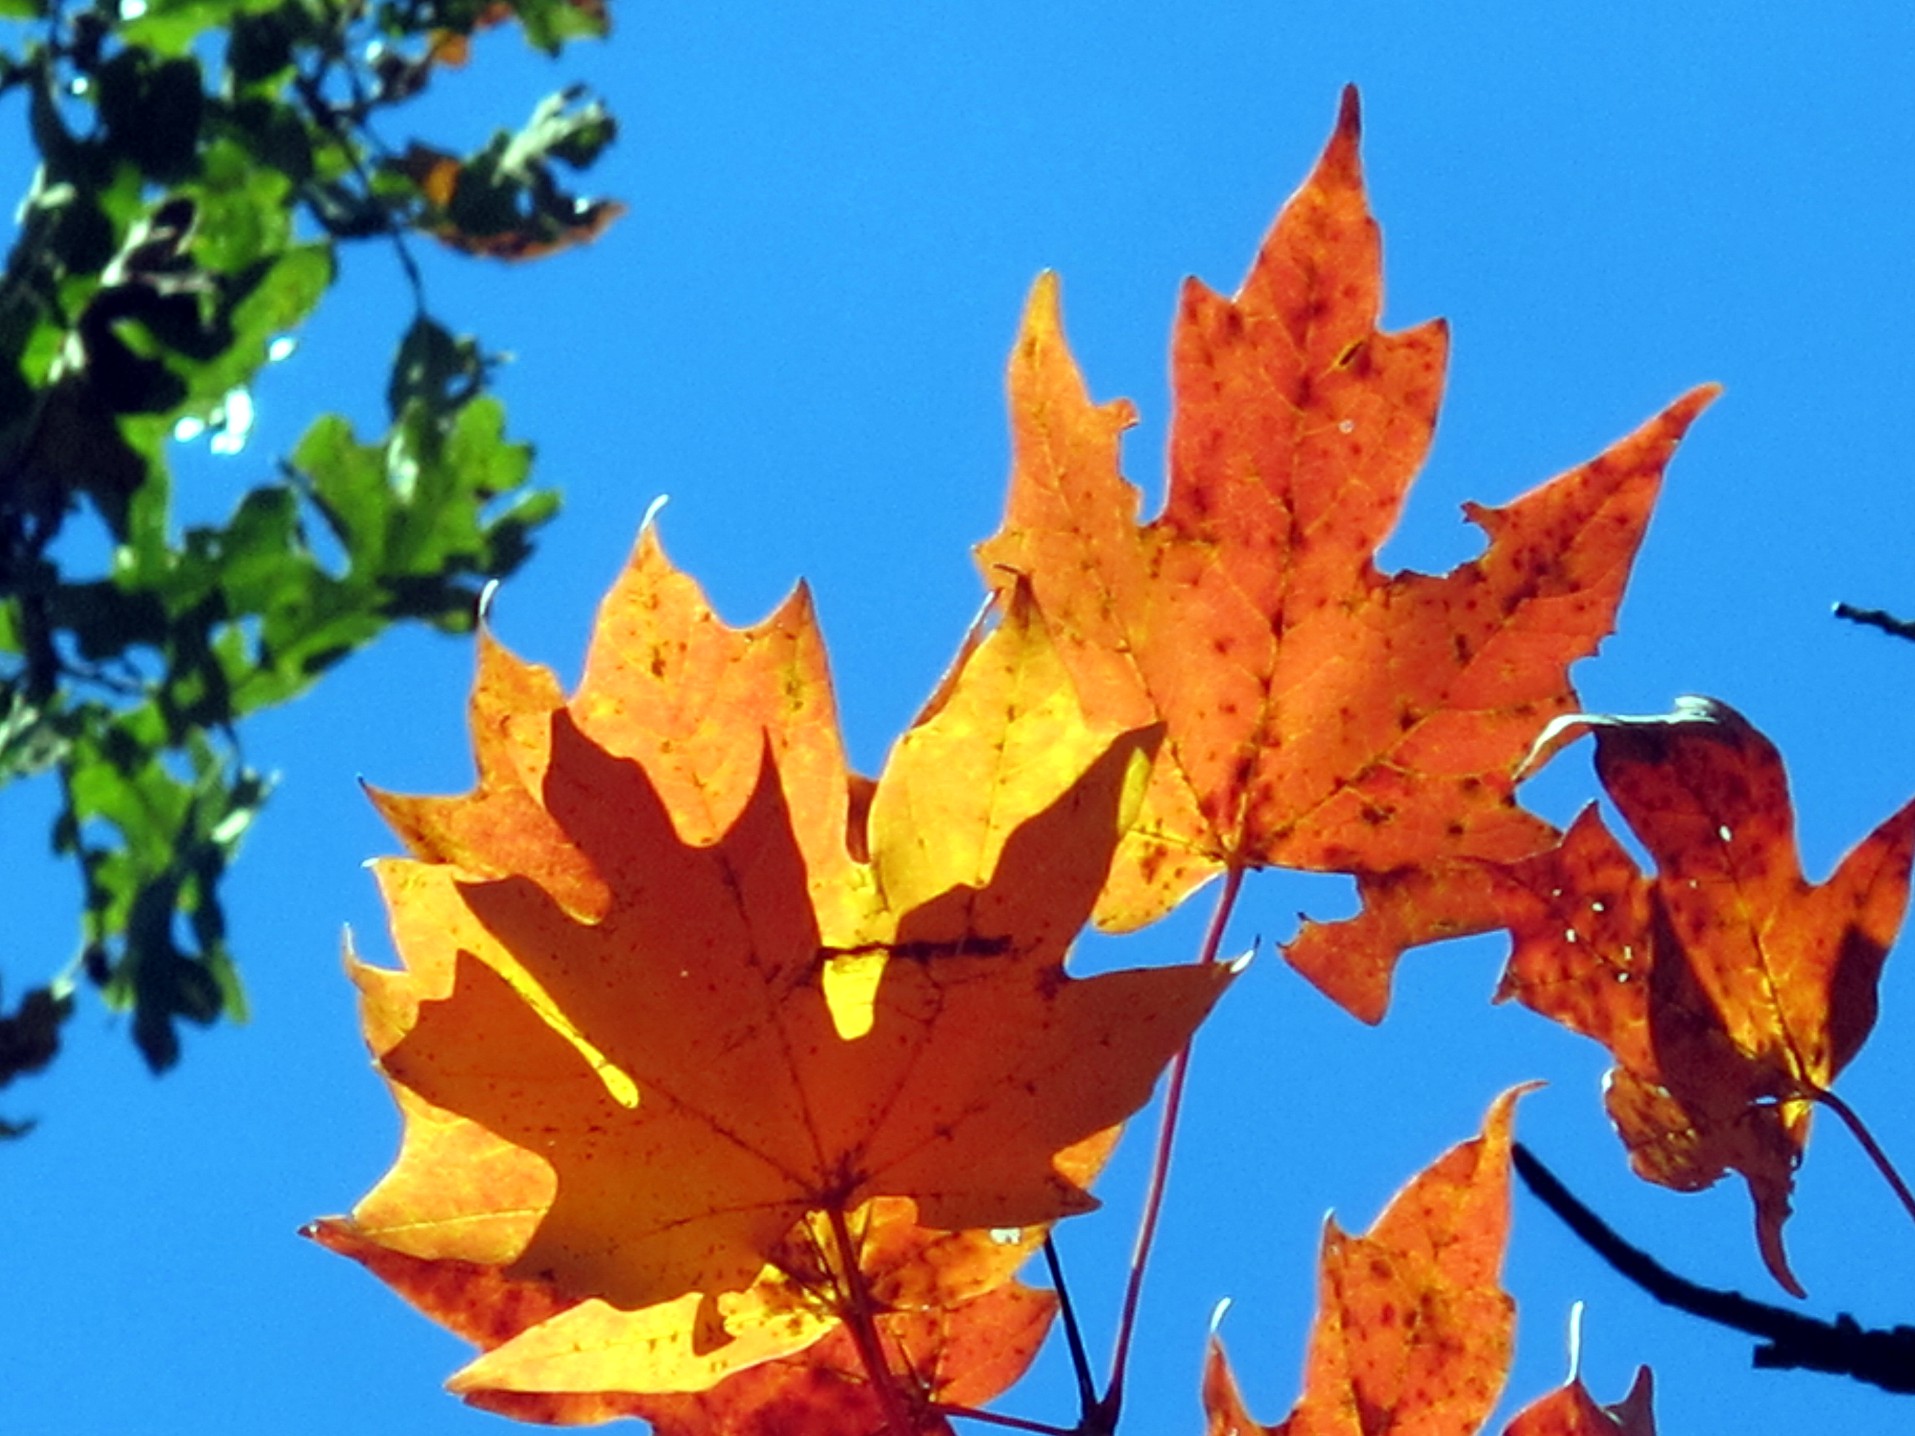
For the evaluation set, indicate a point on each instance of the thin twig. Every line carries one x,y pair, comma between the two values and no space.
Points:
1073,1335
1113,1400
357,120
1793,1341
1877,618
1853,1121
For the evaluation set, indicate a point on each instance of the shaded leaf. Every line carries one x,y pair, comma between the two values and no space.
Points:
507,201
1729,989
151,109
30,1034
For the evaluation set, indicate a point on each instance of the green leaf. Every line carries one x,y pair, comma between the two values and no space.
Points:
259,549
245,214
433,367
78,448
106,620
155,261
348,483
30,737
478,451
550,23
152,110
287,291
259,48
30,1039
170,837
81,237
170,27
276,135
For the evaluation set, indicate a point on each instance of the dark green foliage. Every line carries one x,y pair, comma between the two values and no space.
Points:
201,162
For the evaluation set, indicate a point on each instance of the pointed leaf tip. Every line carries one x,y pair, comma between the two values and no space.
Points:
1413,1328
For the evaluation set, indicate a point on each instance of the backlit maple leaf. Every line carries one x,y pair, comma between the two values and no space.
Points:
694,702
961,1355
657,1023
1729,989
775,1354
1317,713
1571,1411
1413,1330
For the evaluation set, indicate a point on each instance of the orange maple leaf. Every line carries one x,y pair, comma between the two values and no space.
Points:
1317,714
1729,989
961,1355
948,1309
657,1022
1413,1330
1570,1410
694,702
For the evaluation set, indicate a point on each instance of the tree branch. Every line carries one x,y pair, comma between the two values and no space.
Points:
1790,1341
1877,618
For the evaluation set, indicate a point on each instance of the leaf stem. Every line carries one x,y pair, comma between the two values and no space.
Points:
1073,1334
859,1316
1113,1400
1014,1423
1853,1121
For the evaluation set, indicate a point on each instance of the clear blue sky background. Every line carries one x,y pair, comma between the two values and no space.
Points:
799,333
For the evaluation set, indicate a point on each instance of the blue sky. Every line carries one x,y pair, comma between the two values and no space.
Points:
799,333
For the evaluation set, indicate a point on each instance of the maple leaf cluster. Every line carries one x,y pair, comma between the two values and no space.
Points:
738,1088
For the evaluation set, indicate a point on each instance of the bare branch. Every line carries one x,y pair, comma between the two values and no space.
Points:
1877,618
1790,1341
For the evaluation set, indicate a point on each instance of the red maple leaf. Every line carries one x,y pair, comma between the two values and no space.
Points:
1318,714
1729,989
